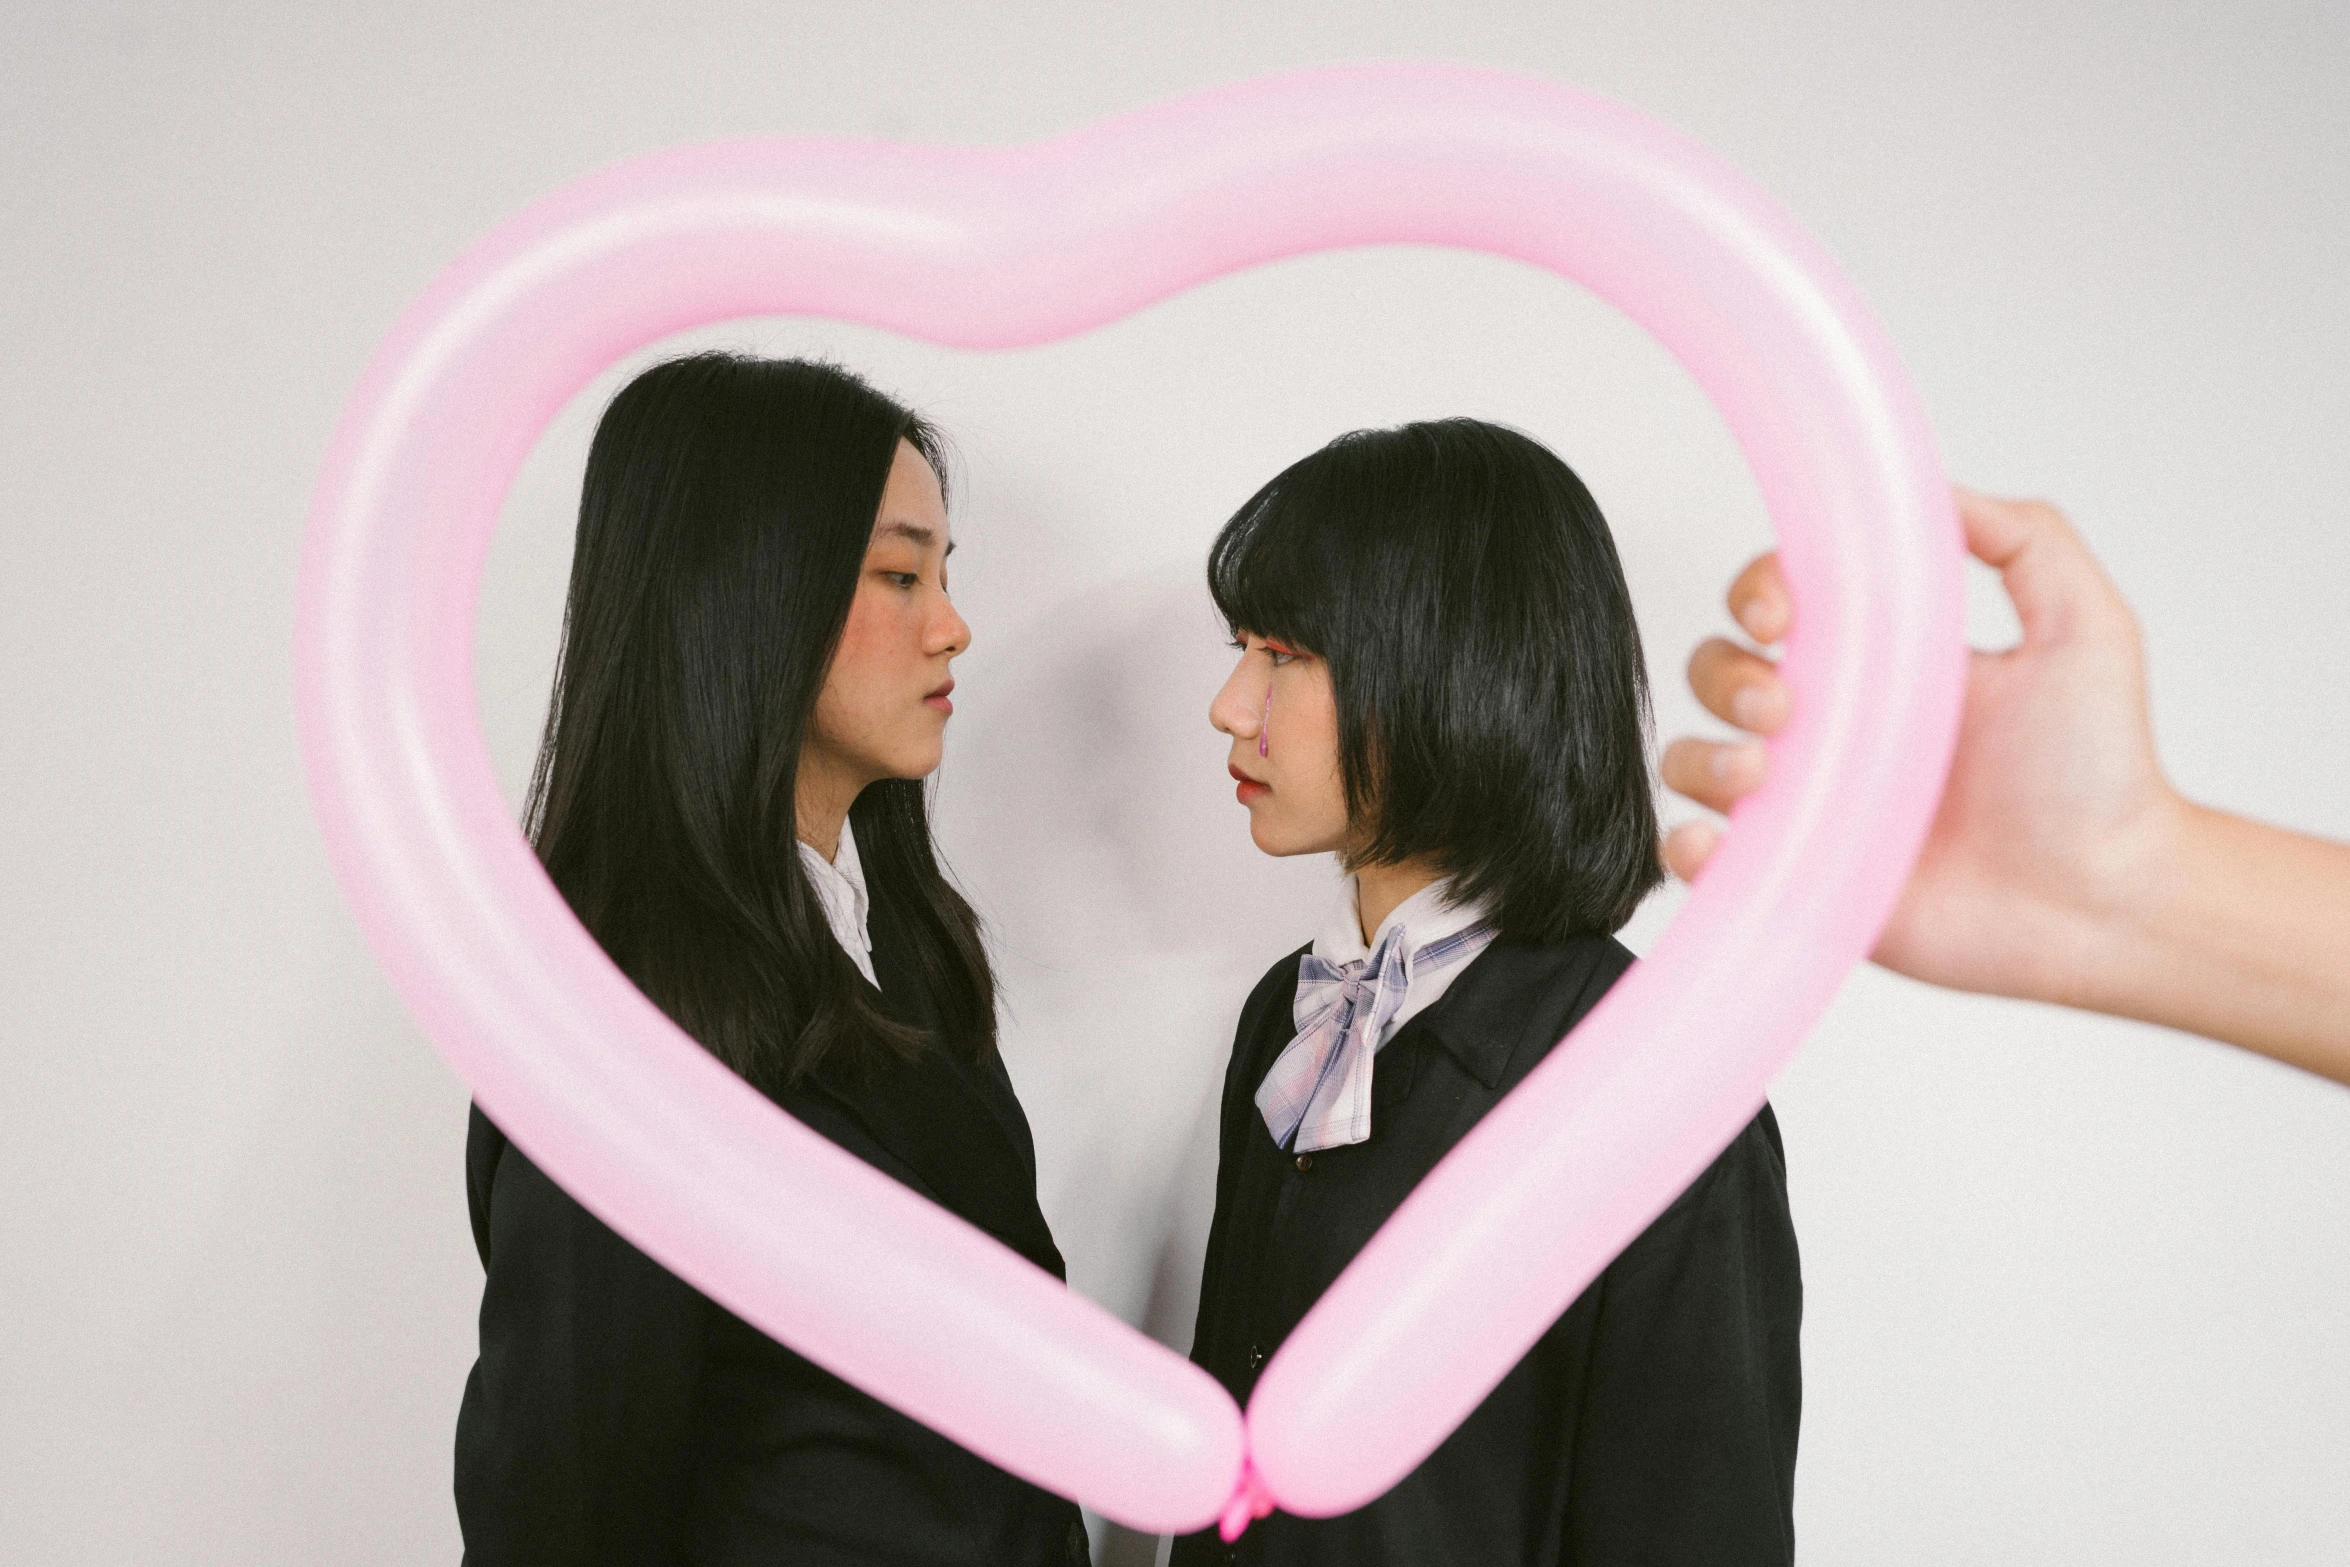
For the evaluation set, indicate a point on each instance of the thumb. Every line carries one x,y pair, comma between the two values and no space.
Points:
2048,572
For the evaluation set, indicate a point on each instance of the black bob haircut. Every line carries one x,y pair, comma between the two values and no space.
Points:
1461,585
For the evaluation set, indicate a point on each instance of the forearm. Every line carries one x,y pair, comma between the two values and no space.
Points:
2244,938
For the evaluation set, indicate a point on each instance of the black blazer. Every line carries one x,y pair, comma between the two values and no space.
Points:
1654,1423
616,1415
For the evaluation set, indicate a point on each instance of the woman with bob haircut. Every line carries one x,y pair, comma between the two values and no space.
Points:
1440,682
753,685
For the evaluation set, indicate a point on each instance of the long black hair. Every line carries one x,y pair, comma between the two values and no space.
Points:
723,525
1492,703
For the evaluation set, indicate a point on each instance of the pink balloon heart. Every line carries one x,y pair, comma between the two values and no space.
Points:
1000,248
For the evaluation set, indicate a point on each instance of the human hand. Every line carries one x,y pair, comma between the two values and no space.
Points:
2056,818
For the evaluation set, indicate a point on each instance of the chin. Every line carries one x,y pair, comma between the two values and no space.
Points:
1287,840
913,760
1272,841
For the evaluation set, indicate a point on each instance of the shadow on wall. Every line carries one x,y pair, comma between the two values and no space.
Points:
1085,808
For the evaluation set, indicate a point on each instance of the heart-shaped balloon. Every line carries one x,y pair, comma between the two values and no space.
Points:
1000,248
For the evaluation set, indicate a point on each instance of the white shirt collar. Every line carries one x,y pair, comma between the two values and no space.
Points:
1317,1093
1427,916
840,887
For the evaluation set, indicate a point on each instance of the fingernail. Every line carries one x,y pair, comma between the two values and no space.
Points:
1753,707
1733,762
1691,841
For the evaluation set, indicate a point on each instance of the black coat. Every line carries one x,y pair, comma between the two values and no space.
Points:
1654,1423
616,1415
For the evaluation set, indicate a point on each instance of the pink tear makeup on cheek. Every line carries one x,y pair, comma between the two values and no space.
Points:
1265,724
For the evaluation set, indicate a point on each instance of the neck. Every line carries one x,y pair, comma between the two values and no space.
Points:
1380,888
822,793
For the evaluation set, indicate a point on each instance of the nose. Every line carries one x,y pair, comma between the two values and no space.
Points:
1234,711
949,632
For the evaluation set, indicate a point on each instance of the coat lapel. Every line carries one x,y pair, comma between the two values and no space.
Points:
1509,1008
956,1125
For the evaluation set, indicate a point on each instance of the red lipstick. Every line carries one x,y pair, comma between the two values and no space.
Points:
1250,788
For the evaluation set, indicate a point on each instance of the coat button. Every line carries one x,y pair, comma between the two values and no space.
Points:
1305,1161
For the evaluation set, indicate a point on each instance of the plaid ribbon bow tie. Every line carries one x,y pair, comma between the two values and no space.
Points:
1319,1090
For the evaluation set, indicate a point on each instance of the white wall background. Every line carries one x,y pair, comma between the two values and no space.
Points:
2077,1288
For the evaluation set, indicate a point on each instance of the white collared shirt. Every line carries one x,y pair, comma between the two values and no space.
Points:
840,887
1352,996
1430,917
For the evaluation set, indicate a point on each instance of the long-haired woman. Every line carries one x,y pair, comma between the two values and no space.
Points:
753,685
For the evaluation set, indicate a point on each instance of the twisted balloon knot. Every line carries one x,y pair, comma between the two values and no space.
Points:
1250,1501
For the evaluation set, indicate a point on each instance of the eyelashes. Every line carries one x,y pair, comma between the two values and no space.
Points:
1274,650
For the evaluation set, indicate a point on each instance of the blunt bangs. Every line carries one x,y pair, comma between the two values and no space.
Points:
1461,585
